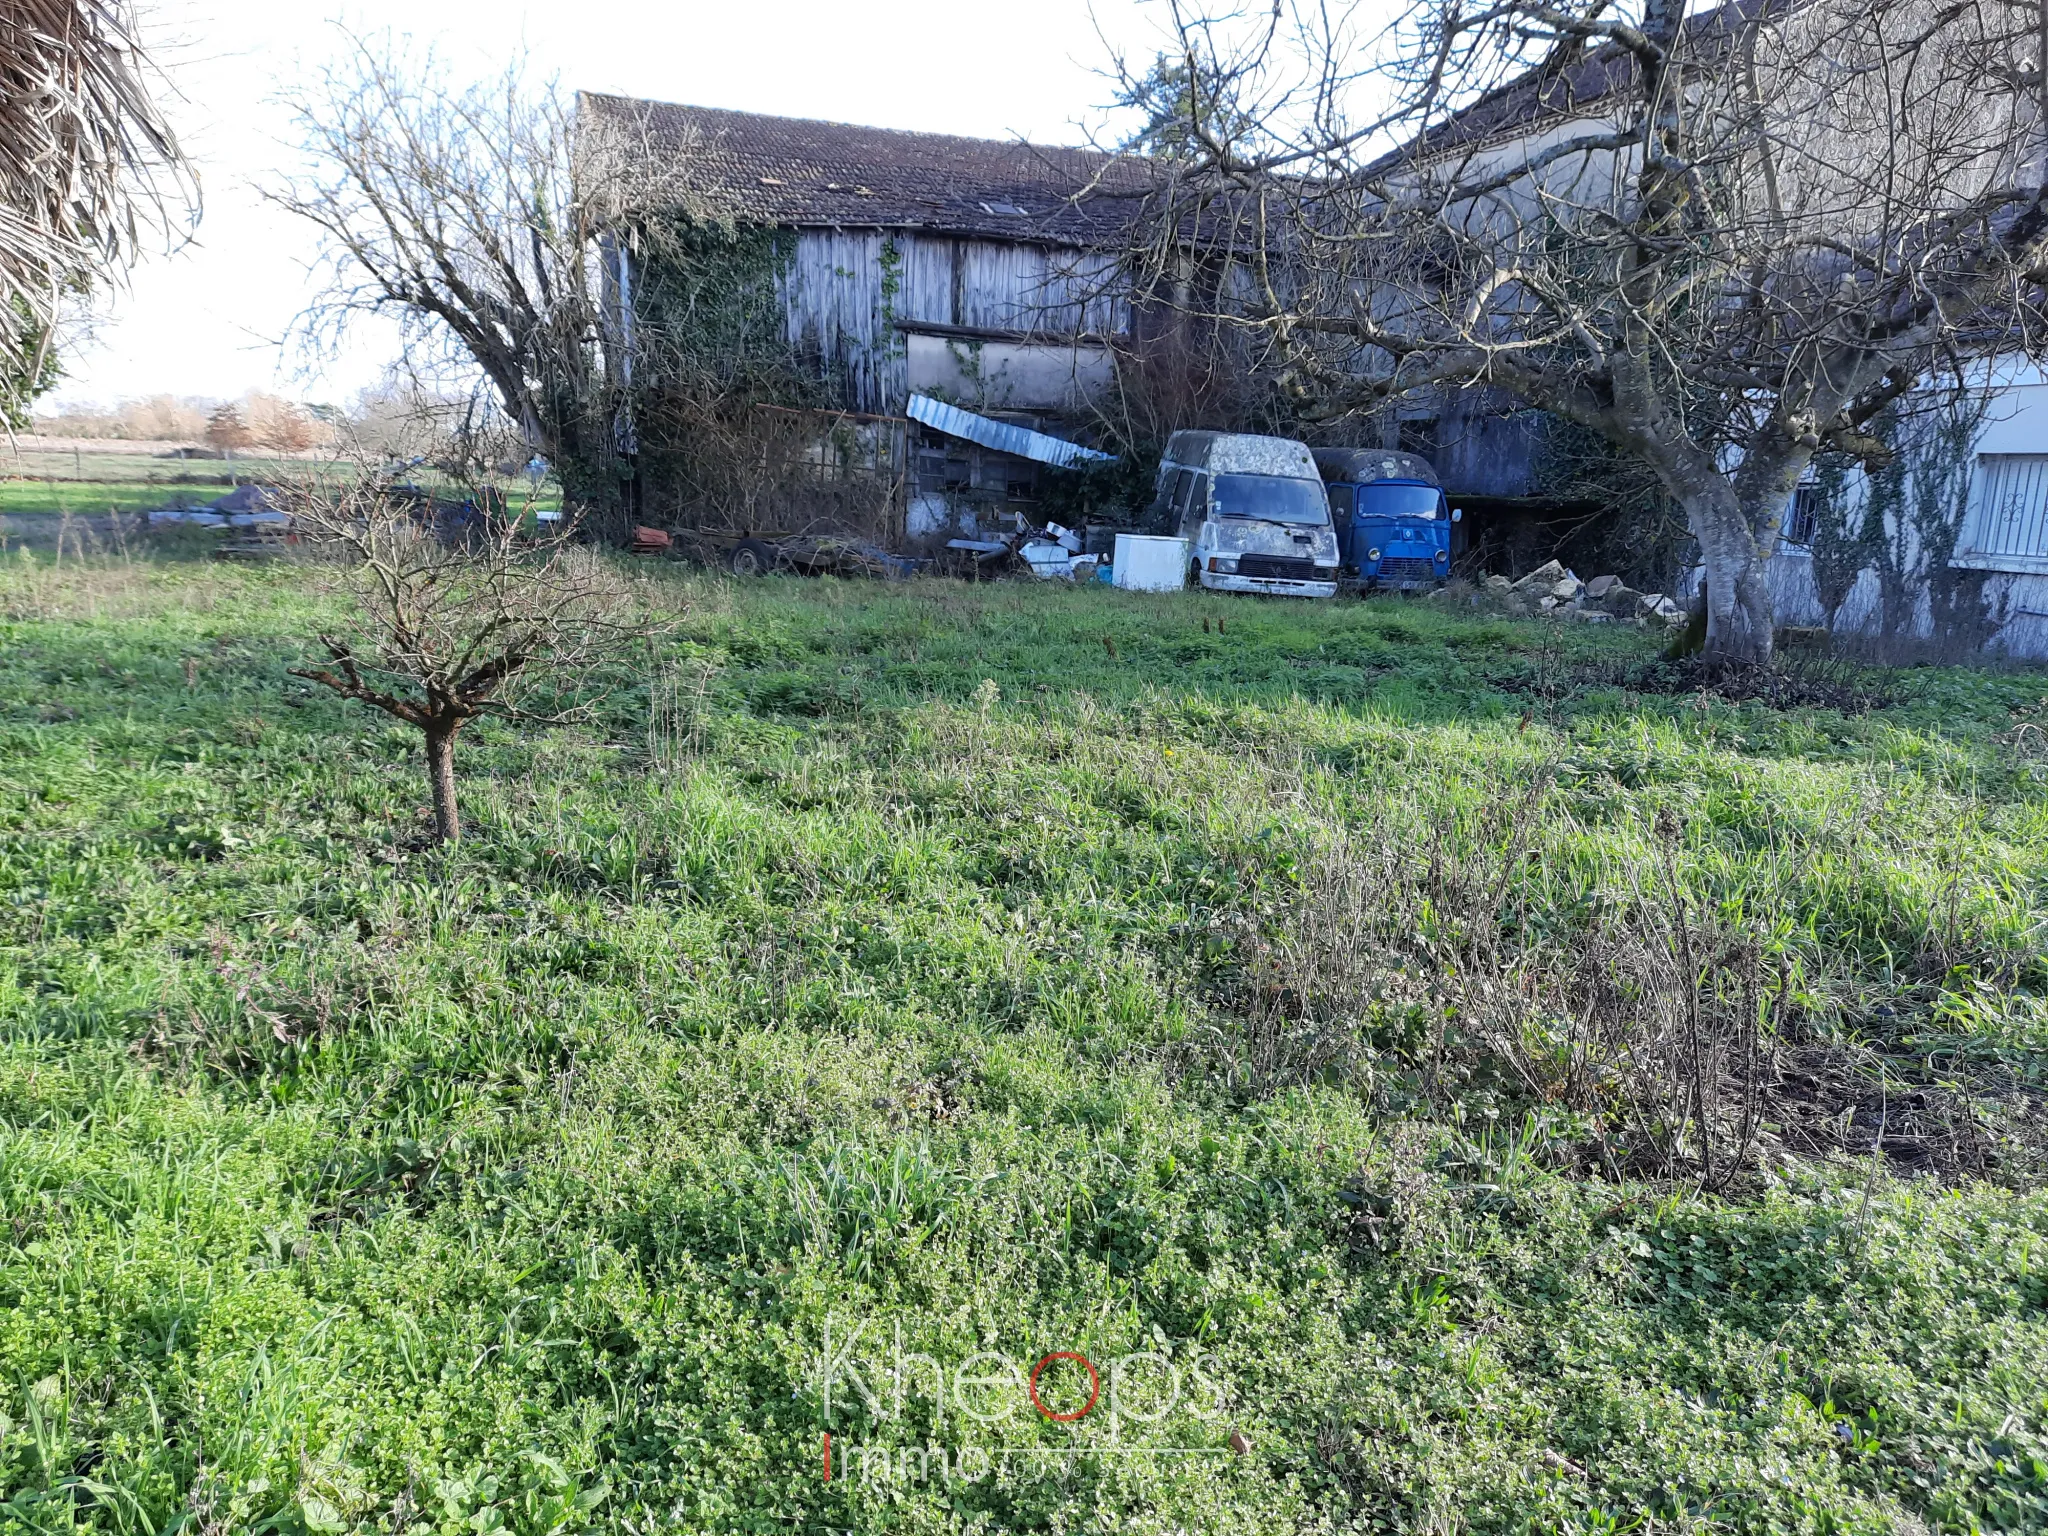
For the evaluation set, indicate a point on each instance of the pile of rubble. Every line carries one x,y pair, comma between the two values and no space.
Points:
1551,588
246,506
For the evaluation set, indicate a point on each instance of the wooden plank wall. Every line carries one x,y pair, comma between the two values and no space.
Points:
843,297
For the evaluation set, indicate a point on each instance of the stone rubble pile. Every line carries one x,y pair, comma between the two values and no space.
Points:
1553,589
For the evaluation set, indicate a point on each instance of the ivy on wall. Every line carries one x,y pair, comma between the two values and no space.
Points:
710,348
1904,527
707,301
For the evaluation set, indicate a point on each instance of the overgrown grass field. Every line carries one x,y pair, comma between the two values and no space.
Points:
1444,1075
85,478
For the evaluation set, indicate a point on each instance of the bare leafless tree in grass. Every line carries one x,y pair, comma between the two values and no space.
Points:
450,624
1722,243
461,212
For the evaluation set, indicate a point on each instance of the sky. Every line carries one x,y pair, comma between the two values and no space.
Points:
209,318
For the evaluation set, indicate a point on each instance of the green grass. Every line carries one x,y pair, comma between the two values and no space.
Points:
56,481
85,497
912,983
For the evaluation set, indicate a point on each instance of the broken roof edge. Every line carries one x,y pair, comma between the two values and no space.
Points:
1002,436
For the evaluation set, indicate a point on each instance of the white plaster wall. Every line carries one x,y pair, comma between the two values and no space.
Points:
1003,375
2017,423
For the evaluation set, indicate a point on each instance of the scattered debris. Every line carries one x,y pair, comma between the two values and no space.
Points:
757,554
650,541
1046,559
246,506
1146,563
1051,552
1544,577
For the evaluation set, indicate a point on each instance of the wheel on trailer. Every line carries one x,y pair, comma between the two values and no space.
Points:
750,557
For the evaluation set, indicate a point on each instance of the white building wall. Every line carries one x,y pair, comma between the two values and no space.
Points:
2008,544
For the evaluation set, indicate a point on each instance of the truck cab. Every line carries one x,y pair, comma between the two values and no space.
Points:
1393,523
1253,511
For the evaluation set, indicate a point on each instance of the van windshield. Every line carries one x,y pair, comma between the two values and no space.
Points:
1270,499
1395,499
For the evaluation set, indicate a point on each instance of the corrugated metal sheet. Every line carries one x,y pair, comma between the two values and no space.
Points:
999,435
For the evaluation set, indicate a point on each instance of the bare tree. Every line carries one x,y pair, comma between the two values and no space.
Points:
1723,244
453,623
457,211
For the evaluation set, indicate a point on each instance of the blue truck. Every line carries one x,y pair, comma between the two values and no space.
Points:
1393,523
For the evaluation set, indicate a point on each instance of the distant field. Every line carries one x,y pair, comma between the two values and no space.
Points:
120,462
55,475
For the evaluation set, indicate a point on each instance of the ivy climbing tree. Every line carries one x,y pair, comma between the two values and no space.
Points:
463,213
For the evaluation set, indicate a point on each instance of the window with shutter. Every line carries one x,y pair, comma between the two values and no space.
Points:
2006,528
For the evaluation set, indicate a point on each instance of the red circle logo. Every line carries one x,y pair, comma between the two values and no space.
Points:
1094,1386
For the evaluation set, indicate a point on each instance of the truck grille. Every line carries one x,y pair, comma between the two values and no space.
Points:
1407,568
1278,567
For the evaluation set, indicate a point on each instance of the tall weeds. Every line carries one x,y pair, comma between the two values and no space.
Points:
1439,962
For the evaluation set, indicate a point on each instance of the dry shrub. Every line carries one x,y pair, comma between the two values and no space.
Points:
1430,970
719,464
88,166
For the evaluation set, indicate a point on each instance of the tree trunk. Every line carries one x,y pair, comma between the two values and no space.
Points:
441,776
1738,595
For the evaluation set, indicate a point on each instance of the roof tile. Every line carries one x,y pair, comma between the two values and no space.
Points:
747,167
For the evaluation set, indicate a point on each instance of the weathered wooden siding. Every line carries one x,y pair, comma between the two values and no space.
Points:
1487,447
845,290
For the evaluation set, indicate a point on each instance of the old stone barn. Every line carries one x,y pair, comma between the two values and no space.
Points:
782,289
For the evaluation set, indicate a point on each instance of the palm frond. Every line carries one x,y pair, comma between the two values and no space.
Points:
83,152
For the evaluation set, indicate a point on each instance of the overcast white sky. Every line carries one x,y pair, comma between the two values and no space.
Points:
207,320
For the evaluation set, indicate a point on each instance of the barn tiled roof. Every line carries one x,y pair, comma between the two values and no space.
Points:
1581,87
789,171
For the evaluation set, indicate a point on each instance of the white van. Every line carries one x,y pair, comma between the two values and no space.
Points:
1253,512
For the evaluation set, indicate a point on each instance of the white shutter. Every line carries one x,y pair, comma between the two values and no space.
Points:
2007,526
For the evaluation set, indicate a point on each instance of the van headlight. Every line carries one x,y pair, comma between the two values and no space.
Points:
1373,553
1222,565
1443,557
